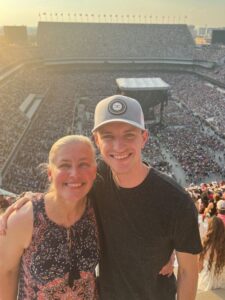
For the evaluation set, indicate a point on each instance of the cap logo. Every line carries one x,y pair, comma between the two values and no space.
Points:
117,107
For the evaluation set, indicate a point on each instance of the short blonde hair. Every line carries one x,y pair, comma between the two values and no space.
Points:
66,140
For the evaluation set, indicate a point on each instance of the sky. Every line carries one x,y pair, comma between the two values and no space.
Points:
201,13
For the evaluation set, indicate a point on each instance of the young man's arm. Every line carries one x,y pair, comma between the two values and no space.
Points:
28,196
187,279
12,245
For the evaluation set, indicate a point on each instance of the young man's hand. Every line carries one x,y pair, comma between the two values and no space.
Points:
167,270
28,196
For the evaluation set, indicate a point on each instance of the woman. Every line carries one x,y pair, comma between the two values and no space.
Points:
212,258
51,247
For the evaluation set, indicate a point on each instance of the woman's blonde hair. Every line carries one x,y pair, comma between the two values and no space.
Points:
66,140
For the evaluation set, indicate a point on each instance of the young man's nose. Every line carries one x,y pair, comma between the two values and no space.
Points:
118,144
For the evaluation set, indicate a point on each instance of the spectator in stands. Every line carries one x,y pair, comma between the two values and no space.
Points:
221,210
212,258
51,247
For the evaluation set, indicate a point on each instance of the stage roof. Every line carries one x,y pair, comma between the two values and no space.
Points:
141,84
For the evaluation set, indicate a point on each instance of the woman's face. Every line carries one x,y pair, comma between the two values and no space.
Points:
73,171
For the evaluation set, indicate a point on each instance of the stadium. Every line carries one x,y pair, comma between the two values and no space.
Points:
50,89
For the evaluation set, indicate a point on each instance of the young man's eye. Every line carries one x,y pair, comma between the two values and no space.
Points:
130,136
106,137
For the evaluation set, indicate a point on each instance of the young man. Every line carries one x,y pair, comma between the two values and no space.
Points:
143,215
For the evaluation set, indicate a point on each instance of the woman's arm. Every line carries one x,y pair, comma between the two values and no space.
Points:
19,233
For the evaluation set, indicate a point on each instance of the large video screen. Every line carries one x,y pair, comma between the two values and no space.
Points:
218,37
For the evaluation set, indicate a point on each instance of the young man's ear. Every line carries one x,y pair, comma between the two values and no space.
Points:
145,135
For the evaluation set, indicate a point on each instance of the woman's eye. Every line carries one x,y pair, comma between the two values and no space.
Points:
84,165
64,166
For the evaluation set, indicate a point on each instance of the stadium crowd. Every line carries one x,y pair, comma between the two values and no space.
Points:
183,134
11,55
12,94
98,40
204,99
212,53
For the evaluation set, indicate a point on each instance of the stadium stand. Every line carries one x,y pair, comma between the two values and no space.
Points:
59,116
214,53
12,94
111,41
11,55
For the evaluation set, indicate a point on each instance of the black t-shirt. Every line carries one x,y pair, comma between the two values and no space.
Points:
139,229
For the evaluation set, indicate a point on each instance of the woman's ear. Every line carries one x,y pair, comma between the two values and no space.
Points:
49,172
95,138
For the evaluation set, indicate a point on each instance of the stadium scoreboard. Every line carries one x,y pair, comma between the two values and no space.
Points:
218,36
16,34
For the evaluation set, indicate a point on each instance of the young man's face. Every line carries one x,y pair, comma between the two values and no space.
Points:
120,145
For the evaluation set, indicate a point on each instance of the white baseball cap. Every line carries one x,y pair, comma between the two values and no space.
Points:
119,108
220,205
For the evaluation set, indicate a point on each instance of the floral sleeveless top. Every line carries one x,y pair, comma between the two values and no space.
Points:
60,262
